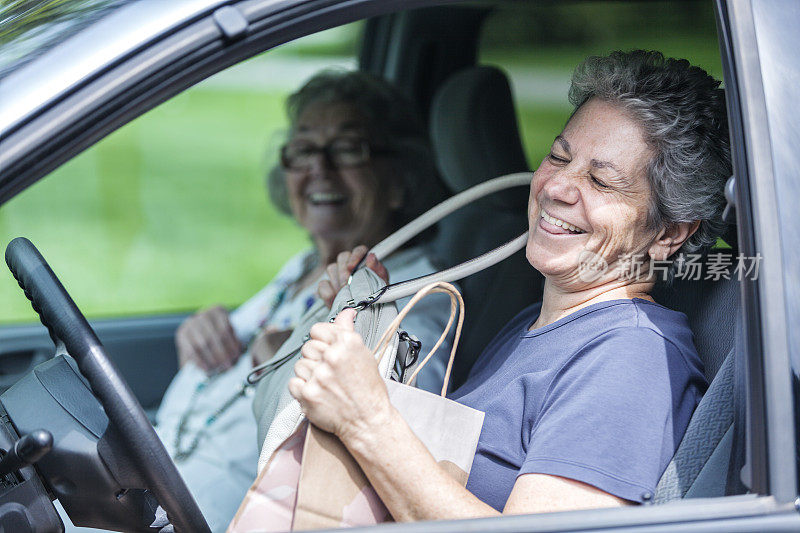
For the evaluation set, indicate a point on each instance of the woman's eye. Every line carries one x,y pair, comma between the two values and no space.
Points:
347,149
346,145
598,182
301,150
557,160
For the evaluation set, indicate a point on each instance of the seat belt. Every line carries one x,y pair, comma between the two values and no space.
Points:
396,291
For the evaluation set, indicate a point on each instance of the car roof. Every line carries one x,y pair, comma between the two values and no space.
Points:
54,73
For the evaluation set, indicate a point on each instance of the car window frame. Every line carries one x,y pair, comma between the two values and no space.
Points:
775,32
770,431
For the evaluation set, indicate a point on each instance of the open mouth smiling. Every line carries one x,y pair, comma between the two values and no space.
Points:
326,198
558,226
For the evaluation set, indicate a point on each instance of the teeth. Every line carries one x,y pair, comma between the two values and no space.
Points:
324,197
560,223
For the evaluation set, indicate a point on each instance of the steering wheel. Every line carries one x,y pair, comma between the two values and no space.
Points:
67,324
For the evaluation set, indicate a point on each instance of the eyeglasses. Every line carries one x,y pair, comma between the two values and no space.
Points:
339,153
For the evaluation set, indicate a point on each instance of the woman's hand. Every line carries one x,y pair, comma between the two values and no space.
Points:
340,271
266,343
337,381
207,339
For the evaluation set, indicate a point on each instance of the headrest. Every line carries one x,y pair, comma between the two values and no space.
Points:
474,132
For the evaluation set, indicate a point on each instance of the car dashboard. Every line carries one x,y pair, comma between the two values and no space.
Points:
87,469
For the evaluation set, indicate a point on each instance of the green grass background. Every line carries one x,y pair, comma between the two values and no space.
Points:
167,214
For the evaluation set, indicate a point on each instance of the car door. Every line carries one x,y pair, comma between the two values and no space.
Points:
212,39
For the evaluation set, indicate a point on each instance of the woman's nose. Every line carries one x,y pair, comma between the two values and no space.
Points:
320,166
562,186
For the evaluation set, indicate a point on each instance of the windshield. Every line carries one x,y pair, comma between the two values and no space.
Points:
28,28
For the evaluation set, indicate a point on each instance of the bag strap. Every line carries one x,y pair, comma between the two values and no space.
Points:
395,291
456,304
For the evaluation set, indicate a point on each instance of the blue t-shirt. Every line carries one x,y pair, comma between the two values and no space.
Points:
602,396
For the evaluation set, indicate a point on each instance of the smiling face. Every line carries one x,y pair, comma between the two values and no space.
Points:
347,205
589,199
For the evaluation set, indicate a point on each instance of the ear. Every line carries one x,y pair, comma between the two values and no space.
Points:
672,238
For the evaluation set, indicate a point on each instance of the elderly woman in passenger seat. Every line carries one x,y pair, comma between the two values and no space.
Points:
356,166
587,393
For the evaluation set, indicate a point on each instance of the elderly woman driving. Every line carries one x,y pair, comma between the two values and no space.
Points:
587,393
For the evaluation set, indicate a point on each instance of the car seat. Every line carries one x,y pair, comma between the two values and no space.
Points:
475,137
701,465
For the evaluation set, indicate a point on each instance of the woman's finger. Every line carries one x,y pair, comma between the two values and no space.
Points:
323,331
296,388
356,256
304,368
313,349
186,351
202,355
377,267
345,319
332,271
341,264
227,338
325,292
199,340
207,336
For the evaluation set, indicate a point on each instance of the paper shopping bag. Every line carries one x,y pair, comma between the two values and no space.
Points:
333,491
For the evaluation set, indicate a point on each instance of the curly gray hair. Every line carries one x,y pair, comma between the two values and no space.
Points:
391,117
682,111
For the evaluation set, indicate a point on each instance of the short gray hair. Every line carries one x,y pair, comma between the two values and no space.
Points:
681,108
392,117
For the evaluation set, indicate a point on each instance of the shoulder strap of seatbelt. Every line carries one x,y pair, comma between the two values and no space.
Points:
394,241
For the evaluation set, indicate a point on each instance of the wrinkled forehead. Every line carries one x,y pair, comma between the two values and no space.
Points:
326,120
607,133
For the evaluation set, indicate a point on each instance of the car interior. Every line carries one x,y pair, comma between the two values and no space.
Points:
473,113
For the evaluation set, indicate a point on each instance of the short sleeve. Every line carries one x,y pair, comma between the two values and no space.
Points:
608,416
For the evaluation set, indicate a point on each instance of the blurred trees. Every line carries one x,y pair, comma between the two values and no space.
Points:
576,23
28,27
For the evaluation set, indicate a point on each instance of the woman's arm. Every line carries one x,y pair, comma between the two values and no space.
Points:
414,487
543,493
340,390
411,483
